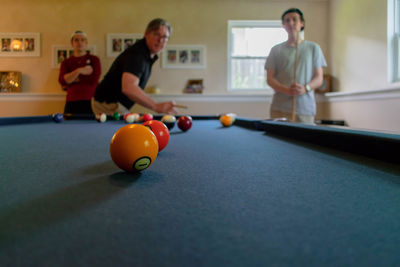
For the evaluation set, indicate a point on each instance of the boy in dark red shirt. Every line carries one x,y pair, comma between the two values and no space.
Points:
79,76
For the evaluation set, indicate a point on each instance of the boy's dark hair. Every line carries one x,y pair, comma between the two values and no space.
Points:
294,10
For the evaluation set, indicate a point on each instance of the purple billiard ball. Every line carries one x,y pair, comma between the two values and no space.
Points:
184,123
58,117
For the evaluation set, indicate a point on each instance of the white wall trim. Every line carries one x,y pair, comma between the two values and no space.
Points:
386,93
19,97
214,98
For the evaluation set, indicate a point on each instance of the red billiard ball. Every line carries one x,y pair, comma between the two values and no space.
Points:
160,131
184,123
133,148
147,117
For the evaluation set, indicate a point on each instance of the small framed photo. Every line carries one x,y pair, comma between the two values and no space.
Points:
118,42
24,44
194,87
10,81
61,52
184,57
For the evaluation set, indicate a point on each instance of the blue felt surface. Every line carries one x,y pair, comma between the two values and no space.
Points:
214,197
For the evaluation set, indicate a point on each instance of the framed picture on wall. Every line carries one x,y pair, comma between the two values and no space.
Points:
61,52
184,57
23,44
10,81
118,42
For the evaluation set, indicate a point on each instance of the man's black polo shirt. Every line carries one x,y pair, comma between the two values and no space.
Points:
136,60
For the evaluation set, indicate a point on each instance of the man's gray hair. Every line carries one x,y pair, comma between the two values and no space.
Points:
156,24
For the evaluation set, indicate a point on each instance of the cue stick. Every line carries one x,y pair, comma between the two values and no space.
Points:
180,106
295,78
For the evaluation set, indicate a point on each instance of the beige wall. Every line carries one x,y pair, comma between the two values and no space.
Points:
194,22
359,63
358,48
359,114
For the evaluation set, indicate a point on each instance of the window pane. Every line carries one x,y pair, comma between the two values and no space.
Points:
249,44
396,58
248,74
255,42
397,17
396,46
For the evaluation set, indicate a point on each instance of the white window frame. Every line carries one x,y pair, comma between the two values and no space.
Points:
393,26
246,24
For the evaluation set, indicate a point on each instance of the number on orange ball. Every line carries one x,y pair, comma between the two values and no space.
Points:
185,123
133,148
160,131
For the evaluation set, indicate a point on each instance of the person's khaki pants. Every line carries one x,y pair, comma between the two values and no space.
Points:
309,119
108,108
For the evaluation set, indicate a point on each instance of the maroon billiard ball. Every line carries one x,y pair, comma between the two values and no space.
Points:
184,123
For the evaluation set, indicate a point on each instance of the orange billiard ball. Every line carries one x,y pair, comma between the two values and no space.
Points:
134,148
161,132
226,120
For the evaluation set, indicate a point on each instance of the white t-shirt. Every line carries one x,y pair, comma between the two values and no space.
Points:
281,59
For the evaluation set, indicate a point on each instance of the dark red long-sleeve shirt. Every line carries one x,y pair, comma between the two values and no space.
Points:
84,86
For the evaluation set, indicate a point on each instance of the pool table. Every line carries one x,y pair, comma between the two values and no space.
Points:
258,193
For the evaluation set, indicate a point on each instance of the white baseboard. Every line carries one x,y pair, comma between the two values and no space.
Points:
226,98
388,93
265,98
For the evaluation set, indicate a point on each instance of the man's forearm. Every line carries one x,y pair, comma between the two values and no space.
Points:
277,86
317,80
137,95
